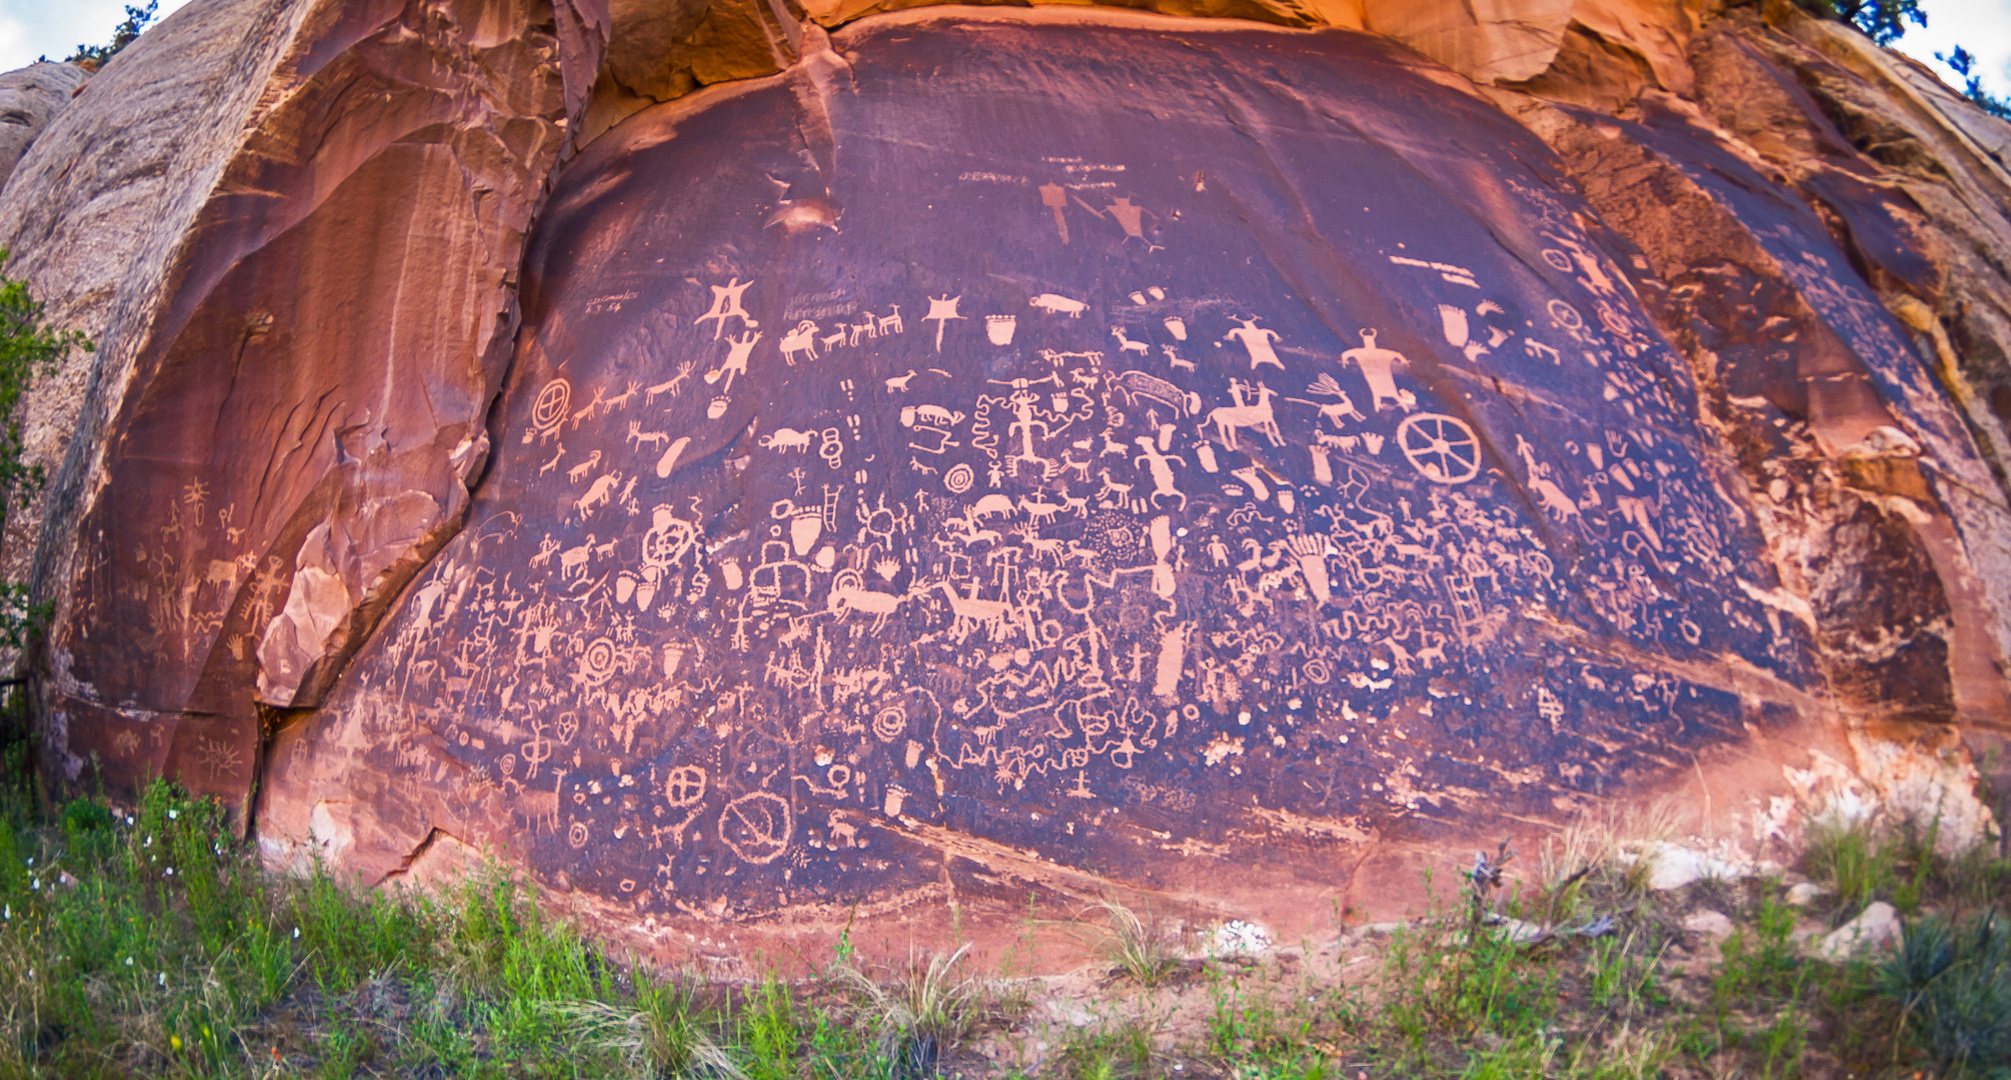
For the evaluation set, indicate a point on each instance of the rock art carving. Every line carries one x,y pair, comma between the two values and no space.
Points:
1057,580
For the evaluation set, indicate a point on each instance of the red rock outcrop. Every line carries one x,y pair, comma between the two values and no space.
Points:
294,375
978,450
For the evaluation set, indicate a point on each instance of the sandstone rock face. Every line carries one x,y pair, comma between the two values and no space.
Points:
294,378
29,99
1265,472
977,451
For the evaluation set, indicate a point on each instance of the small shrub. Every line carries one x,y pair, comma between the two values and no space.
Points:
1123,1052
1761,961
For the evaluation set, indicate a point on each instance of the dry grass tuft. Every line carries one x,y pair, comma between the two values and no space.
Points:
1144,947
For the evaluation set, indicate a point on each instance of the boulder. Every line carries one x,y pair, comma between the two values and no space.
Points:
29,98
1710,924
1877,926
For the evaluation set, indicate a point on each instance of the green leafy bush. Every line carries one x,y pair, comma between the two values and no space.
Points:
124,34
29,347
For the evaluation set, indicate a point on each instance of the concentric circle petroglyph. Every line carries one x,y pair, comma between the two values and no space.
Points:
959,478
597,662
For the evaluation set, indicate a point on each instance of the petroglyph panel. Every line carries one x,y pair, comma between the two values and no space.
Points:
944,445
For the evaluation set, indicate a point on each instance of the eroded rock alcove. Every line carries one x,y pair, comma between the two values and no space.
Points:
1007,451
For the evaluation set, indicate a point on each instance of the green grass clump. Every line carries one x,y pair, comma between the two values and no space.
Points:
1849,856
924,1014
1952,981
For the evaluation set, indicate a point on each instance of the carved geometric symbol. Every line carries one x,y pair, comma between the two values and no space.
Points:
757,827
890,723
1441,447
959,478
550,408
597,663
685,786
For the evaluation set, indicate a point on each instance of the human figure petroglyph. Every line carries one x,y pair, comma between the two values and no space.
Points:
726,305
1256,341
1131,218
1227,419
1376,364
1023,424
1155,461
942,309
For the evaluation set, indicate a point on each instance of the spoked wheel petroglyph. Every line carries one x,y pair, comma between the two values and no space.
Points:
1441,447
550,408
756,827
